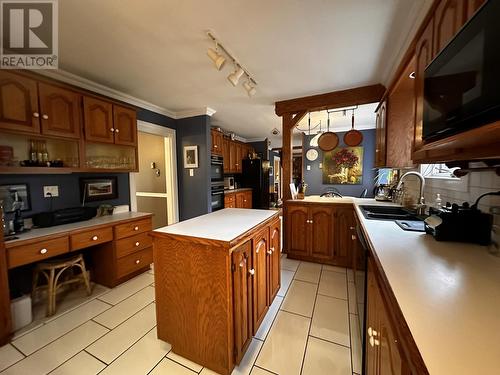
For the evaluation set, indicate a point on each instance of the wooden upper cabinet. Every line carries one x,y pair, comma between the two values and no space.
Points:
60,111
423,56
322,234
217,142
345,239
448,19
226,155
259,274
18,103
296,230
232,157
239,157
380,135
242,298
401,120
274,260
473,6
98,120
125,125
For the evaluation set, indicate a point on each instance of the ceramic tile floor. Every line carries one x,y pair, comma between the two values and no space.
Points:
310,329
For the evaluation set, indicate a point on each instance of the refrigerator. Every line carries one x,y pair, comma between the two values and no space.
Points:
255,175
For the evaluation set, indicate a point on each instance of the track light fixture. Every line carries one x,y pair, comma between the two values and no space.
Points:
216,57
235,76
219,58
249,86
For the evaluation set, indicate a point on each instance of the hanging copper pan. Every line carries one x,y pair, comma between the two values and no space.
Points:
353,137
328,140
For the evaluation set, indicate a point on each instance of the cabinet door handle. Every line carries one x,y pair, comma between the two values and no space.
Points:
272,249
372,341
215,146
137,243
136,228
269,252
45,117
353,237
251,272
137,261
351,228
36,114
43,251
95,238
112,130
117,130
377,342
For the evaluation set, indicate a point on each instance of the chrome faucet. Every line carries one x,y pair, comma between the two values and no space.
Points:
421,200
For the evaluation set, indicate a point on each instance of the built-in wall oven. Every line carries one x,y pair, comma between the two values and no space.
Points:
217,169
217,194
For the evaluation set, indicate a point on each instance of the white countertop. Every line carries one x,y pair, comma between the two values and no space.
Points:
449,294
223,225
231,191
61,229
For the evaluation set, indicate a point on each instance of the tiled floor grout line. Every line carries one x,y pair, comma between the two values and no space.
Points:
162,358
311,321
341,299
90,354
133,294
349,320
262,368
330,341
279,309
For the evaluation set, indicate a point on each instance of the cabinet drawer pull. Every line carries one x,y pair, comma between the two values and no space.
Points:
136,228
36,114
95,238
137,244
43,251
137,261
117,130
251,272
45,117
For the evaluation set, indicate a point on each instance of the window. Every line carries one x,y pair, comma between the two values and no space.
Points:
437,171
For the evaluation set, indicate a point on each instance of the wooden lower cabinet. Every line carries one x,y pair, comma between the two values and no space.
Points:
387,351
320,232
241,199
259,274
241,260
274,260
5,318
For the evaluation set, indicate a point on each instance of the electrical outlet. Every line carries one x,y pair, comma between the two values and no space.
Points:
51,191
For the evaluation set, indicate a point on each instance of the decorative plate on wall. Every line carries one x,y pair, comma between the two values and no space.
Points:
312,154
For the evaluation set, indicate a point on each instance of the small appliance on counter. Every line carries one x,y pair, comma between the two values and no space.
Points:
229,183
64,216
461,223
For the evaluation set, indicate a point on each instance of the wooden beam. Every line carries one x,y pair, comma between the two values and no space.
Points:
336,99
289,123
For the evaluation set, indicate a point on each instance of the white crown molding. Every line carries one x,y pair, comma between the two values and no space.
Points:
195,112
75,80
256,139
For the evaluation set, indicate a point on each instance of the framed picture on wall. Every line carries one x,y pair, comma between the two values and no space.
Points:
190,157
14,196
98,189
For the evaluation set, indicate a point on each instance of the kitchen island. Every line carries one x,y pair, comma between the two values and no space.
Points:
215,277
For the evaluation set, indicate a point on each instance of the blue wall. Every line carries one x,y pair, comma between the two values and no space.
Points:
314,177
156,118
194,191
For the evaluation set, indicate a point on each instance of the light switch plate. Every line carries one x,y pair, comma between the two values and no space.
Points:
308,167
51,191
191,172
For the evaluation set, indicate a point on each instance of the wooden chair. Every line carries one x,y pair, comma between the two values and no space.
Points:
52,270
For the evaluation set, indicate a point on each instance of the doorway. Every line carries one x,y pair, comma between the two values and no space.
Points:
154,188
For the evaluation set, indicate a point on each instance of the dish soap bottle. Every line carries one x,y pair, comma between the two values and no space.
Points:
437,202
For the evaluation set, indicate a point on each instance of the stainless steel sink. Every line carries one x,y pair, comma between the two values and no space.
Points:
388,213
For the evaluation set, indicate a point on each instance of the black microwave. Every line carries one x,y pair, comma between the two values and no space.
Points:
462,84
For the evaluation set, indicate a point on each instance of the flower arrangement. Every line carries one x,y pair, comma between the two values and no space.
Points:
345,159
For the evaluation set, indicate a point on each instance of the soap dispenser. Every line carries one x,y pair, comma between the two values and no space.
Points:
438,202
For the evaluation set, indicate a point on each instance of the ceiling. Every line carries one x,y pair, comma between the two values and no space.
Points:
155,50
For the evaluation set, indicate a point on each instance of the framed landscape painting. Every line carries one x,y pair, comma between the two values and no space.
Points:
343,166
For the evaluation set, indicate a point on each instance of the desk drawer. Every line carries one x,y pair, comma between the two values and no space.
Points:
91,237
132,244
134,262
36,252
133,227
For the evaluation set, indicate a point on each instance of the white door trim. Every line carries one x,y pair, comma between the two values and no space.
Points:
170,137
